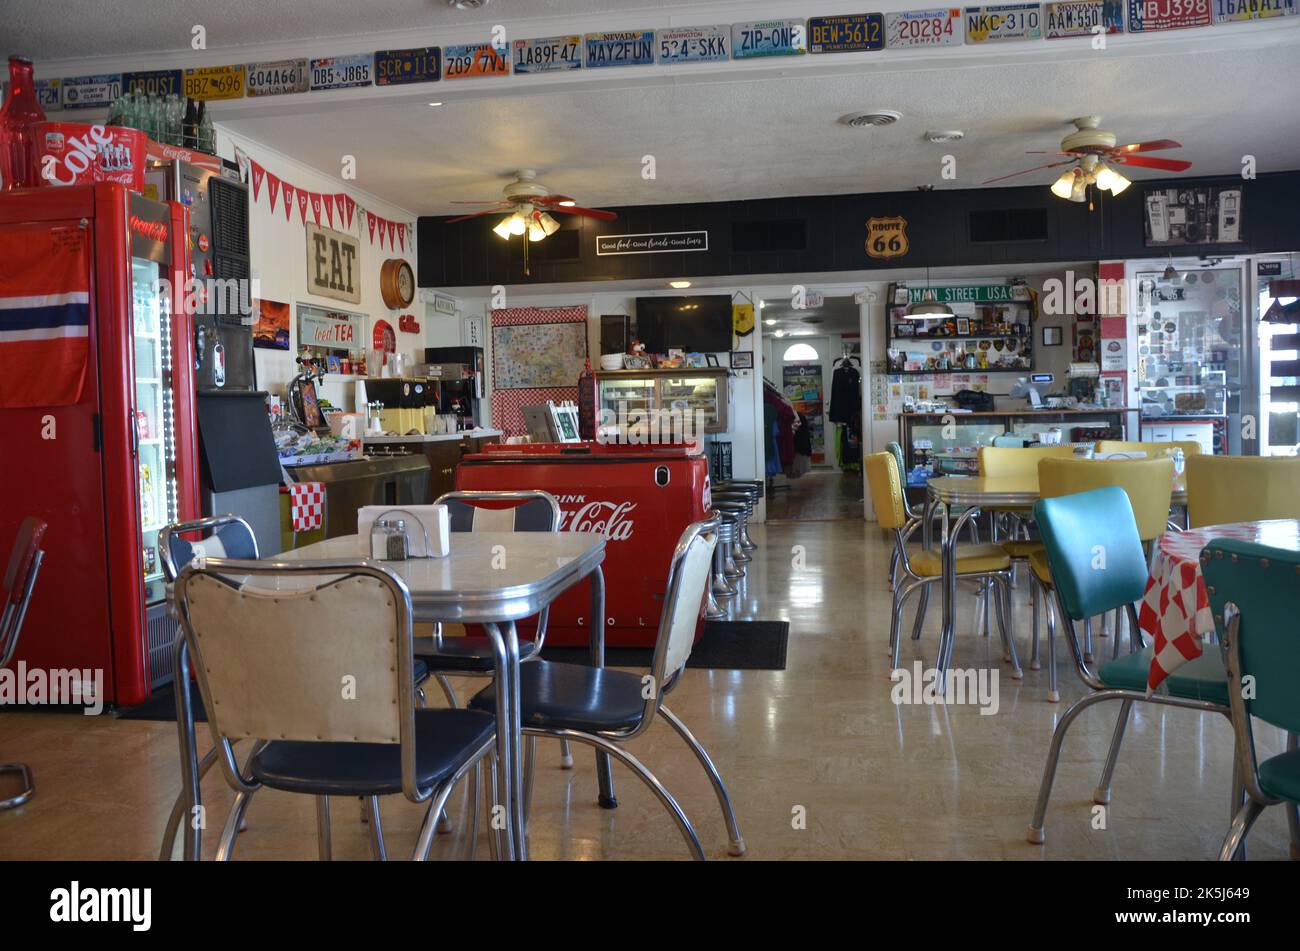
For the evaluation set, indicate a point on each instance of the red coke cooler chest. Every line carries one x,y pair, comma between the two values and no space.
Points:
641,498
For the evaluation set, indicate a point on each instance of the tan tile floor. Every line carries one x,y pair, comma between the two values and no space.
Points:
874,780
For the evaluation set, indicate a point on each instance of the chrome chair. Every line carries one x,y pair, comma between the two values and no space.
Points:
896,450
1074,529
19,582
1255,598
312,660
606,708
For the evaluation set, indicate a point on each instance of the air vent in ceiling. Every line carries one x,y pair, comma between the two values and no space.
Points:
877,117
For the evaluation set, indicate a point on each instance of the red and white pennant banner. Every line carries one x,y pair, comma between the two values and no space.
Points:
391,233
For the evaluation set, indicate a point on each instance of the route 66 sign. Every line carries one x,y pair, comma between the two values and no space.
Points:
886,237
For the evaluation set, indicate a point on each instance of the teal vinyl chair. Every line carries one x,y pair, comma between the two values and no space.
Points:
1098,565
1255,595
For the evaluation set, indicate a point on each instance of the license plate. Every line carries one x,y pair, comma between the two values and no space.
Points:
480,59
1007,21
942,27
279,78
548,54
1235,11
214,82
91,92
846,34
636,48
399,67
768,38
48,93
701,44
1081,18
1148,16
155,82
341,72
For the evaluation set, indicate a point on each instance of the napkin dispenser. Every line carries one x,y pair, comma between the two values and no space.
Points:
428,528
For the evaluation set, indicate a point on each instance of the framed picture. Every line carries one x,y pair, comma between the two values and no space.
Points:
333,363
712,359
1052,336
742,359
963,326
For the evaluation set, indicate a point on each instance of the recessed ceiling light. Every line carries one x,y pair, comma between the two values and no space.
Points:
680,285
780,333
875,117
948,135
771,321
467,4
435,104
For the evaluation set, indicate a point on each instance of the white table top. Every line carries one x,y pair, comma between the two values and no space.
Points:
488,576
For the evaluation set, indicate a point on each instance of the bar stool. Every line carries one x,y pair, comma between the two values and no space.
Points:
730,514
720,587
739,510
749,493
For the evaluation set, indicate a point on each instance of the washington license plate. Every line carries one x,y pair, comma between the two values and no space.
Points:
279,78
846,34
1238,10
155,82
548,54
942,27
422,64
768,38
91,92
214,82
1148,16
342,72
635,48
701,44
1008,21
480,59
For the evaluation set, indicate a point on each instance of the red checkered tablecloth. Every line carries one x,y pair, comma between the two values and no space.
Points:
306,506
1176,607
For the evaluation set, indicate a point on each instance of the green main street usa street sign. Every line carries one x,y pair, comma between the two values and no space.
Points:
972,293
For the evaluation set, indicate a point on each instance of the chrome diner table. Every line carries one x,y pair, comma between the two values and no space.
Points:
492,579
974,495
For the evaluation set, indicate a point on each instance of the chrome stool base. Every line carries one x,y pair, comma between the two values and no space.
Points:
28,788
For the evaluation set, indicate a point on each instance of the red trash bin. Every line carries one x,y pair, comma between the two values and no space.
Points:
640,498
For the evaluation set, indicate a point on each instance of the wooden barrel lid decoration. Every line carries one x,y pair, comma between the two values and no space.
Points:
396,284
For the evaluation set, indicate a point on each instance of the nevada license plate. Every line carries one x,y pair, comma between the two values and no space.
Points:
942,27
91,92
701,44
278,78
768,38
214,82
636,48
548,54
481,59
846,34
399,67
1008,21
341,72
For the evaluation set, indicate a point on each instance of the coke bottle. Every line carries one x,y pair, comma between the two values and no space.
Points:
18,118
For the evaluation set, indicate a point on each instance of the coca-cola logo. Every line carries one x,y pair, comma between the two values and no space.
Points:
153,230
608,518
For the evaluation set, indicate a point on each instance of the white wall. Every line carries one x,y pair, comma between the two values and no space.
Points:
278,259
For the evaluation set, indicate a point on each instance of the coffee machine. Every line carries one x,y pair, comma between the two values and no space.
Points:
460,372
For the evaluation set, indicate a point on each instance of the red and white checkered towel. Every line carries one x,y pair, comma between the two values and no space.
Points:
1176,606
306,506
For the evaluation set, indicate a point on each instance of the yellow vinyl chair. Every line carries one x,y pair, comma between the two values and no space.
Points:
1153,450
1148,483
982,563
1223,489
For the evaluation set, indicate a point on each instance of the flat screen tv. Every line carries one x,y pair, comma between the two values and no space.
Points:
699,322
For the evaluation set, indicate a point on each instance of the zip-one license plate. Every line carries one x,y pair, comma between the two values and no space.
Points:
768,38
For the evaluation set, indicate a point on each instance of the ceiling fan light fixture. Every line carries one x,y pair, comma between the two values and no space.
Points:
1079,191
1118,182
1062,187
502,228
517,223
549,224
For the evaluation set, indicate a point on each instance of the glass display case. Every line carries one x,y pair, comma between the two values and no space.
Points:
700,393
1189,339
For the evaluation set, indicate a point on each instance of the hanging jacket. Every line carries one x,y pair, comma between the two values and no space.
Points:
846,392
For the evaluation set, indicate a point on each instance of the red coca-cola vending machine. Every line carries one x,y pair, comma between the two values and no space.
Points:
96,421
640,498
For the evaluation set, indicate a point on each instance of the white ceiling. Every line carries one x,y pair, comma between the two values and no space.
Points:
728,131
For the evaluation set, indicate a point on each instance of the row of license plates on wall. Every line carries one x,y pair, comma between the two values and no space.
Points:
705,44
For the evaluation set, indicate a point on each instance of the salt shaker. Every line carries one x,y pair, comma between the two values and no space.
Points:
388,540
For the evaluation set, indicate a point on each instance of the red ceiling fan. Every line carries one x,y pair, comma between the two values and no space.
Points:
1092,151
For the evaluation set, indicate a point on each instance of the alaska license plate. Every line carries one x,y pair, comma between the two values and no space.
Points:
422,64
768,38
701,44
941,27
634,48
91,92
851,33
549,54
1149,16
342,72
214,82
154,82
479,59
280,78
1007,21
